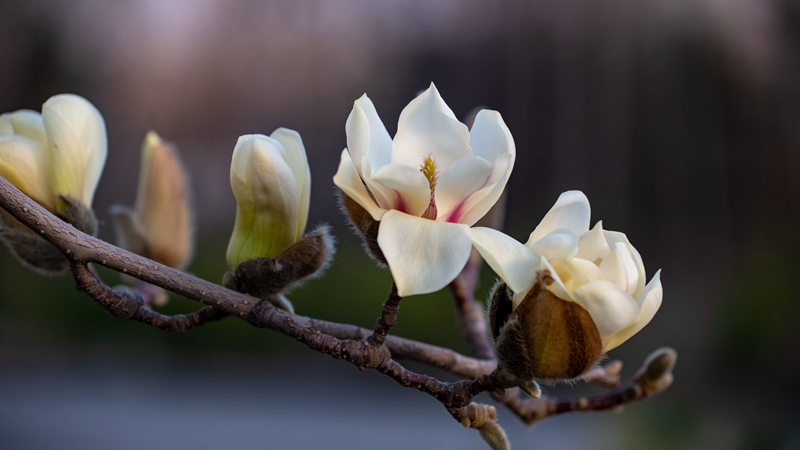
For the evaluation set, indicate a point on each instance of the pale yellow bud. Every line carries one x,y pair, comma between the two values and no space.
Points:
23,156
271,181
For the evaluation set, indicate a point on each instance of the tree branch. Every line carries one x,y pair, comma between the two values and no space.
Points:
469,312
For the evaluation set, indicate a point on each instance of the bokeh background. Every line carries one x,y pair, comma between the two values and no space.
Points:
679,119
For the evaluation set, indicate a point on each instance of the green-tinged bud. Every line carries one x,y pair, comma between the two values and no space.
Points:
364,225
544,337
271,181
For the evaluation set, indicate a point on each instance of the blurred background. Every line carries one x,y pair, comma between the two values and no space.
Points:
679,119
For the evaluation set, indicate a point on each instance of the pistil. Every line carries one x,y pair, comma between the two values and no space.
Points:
428,168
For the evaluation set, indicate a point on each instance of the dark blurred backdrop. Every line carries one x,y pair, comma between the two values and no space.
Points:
679,119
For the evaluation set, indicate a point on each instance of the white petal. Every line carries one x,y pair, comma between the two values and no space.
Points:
592,244
490,138
611,308
428,127
576,272
423,255
571,211
557,287
649,301
367,136
24,163
350,183
613,237
512,261
76,137
406,188
295,156
457,187
620,269
25,123
483,200
559,245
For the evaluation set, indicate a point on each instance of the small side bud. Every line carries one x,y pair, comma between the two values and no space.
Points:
494,435
364,225
267,278
656,373
30,248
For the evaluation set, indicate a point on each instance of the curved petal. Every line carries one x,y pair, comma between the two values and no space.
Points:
406,188
25,123
649,301
571,211
427,126
423,255
490,138
23,163
611,308
620,269
76,137
350,183
457,186
512,261
593,245
576,272
559,245
614,237
483,201
557,287
295,156
367,136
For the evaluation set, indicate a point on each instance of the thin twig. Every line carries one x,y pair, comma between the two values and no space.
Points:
469,312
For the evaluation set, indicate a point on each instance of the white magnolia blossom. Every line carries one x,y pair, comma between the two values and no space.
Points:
60,151
426,186
271,181
597,269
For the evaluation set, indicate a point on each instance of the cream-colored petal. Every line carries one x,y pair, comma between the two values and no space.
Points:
427,126
459,186
611,308
592,244
25,123
295,155
367,136
557,287
77,145
620,269
649,301
406,188
614,237
24,163
348,180
512,261
571,211
559,245
423,255
576,272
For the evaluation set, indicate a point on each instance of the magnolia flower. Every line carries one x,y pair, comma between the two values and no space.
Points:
271,181
427,186
61,151
599,270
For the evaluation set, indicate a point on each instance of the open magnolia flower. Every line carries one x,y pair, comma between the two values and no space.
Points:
427,186
61,151
599,270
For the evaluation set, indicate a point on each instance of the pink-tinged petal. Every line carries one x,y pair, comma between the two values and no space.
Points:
406,188
350,183
614,237
512,261
559,245
557,287
428,127
620,269
479,203
611,308
423,255
649,301
457,187
490,138
367,136
571,211
592,245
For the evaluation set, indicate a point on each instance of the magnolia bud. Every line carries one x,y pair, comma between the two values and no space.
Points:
364,225
271,181
544,337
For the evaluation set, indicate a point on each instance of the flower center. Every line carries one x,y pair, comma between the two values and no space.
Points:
428,168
